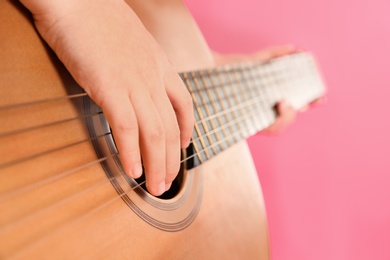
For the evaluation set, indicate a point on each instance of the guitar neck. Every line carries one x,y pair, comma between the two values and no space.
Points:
234,102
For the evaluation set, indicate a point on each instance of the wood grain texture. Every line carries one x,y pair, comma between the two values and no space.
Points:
58,219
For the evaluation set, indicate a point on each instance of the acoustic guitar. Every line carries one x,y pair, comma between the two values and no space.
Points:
63,193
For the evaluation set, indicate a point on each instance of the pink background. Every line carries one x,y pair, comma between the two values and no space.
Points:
326,179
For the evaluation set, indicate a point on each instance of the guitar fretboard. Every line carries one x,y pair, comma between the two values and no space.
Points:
234,102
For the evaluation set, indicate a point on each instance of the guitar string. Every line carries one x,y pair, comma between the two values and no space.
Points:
248,68
218,129
36,102
303,58
105,204
68,199
230,123
20,160
18,131
80,95
32,128
32,186
75,221
221,112
50,179
248,103
92,188
41,240
93,211
106,181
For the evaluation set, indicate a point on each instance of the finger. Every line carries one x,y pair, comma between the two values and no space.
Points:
168,186
182,103
286,115
274,52
123,122
319,101
303,108
172,136
152,142
316,102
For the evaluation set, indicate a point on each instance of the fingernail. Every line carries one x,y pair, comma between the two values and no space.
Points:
300,49
168,186
186,144
161,188
137,170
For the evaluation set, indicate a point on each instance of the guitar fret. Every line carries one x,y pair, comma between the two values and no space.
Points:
281,93
272,94
225,117
270,84
252,120
245,131
217,124
212,125
231,98
198,140
224,88
236,87
269,94
205,113
196,143
264,102
232,102
199,125
256,106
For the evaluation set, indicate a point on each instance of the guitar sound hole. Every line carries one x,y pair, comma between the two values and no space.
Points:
169,194
176,184
173,190
172,211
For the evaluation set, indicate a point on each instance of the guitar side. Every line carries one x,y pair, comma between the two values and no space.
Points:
41,222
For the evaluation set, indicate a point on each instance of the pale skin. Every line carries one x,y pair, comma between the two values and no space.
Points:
126,55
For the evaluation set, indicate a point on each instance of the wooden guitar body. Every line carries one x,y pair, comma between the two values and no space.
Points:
56,200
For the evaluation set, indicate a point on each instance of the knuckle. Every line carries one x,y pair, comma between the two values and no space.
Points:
124,127
98,95
156,134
